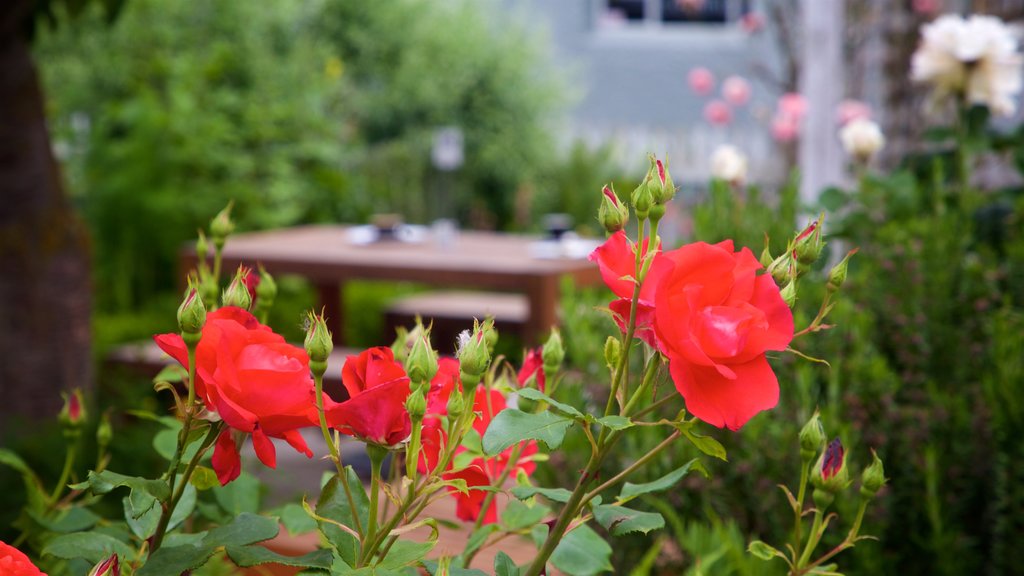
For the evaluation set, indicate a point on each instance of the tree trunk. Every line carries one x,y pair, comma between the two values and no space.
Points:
45,290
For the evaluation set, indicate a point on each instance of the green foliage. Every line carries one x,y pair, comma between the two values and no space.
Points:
511,426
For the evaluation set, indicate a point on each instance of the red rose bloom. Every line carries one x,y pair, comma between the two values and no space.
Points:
258,384
714,317
377,388
14,563
432,436
617,260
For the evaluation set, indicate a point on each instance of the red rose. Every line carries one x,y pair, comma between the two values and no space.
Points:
432,436
14,563
258,384
533,364
714,317
377,388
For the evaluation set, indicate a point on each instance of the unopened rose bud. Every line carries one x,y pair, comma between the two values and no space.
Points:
398,347
837,275
766,256
221,226
612,214
873,477
318,342
612,352
266,291
657,212
472,351
812,438
669,186
237,293
192,311
456,405
490,335
808,244
780,269
202,246
421,364
73,415
108,567
416,405
642,200
788,293
104,432
553,353
830,473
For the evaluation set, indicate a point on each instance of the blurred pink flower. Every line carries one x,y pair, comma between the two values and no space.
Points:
690,5
717,113
701,81
927,7
736,90
785,128
849,110
793,104
752,22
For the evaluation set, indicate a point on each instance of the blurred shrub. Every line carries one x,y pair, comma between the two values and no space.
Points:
176,108
414,66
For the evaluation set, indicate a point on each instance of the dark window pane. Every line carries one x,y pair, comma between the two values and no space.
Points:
630,9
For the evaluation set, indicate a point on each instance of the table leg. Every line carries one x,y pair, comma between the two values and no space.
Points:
331,299
543,296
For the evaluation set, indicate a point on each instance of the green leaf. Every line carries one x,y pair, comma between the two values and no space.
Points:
554,494
175,560
333,505
103,482
512,426
503,565
431,566
478,537
246,556
165,442
620,520
93,547
185,507
537,395
706,444
204,478
406,553
582,552
295,519
141,513
171,373
245,529
615,422
518,515
75,519
630,490
764,551
241,495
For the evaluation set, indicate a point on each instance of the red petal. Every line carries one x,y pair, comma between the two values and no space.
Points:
295,440
616,259
721,401
264,448
226,461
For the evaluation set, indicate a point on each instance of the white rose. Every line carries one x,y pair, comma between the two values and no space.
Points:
729,164
976,57
862,139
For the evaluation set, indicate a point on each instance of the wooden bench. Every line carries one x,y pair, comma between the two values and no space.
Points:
453,311
147,359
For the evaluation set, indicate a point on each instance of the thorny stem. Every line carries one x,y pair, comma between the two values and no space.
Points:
633,467
168,510
69,462
377,455
851,538
812,538
318,382
799,511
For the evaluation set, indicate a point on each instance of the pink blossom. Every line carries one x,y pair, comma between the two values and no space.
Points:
736,90
701,81
793,104
752,22
785,128
718,113
850,110
927,7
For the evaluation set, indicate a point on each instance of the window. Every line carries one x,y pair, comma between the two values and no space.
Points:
671,11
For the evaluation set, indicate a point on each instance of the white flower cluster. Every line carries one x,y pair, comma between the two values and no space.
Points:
729,164
862,139
975,57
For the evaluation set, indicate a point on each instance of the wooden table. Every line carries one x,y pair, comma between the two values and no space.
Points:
326,256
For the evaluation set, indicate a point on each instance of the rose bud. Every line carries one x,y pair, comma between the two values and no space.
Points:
104,432
830,473
642,200
788,293
237,294
421,364
873,477
73,414
553,353
318,343
472,354
416,405
266,289
812,438
192,312
490,335
108,567
808,244
781,268
837,275
221,226
766,255
612,352
612,214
